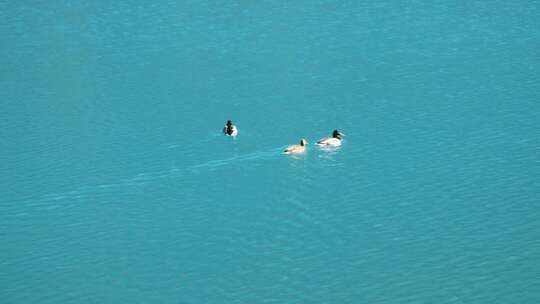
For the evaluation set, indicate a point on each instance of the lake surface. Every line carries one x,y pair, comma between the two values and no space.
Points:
118,187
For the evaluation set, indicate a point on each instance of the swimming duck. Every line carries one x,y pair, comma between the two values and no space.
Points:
294,149
335,140
230,129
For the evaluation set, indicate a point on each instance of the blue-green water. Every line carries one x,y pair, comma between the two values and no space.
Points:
117,186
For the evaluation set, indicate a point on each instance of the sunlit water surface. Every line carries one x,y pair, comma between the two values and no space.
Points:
118,187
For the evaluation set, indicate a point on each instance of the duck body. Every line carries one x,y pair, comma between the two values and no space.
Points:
230,129
329,141
333,141
296,149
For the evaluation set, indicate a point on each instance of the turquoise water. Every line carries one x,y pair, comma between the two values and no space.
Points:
118,187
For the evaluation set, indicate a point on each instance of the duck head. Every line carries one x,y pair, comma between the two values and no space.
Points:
303,142
337,134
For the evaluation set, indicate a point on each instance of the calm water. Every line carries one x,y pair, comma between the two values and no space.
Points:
117,186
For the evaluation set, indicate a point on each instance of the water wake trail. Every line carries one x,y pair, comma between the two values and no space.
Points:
143,178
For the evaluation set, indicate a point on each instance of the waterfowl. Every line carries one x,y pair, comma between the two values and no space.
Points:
230,129
335,140
294,149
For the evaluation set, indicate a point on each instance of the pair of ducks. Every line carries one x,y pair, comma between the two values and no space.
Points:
333,141
231,130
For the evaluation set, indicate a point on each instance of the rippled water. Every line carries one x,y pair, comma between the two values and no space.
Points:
118,186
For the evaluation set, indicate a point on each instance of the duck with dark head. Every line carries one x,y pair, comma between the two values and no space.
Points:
230,129
295,149
335,140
